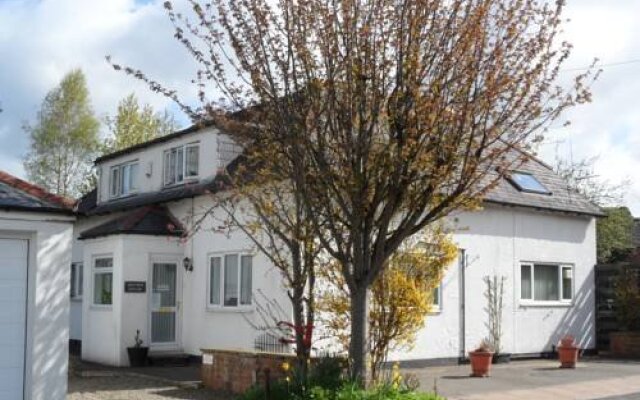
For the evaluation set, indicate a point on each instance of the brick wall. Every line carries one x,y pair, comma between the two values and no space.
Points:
237,371
625,344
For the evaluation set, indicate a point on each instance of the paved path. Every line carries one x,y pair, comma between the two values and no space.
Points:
94,382
536,380
132,388
622,388
519,380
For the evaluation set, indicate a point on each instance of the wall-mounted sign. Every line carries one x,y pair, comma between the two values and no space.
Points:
135,286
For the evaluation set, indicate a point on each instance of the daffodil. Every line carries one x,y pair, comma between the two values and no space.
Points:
286,367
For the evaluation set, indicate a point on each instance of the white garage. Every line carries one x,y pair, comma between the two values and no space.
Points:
35,253
13,315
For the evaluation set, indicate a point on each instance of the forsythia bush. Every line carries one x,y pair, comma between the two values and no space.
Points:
401,297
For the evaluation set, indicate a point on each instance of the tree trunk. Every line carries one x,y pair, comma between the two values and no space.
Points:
359,346
302,352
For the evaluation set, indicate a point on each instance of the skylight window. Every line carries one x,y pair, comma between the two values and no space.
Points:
526,182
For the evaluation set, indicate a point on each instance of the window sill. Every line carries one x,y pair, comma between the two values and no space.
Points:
435,311
230,310
188,181
543,304
76,299
124,196
97,307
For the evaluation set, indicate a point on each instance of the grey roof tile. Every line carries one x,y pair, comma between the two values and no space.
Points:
561,196
561,199
148,220
17,194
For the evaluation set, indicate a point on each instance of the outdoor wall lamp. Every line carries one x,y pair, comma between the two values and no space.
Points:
188,264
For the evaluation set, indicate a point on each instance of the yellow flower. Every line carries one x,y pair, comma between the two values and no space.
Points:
286,367
287,379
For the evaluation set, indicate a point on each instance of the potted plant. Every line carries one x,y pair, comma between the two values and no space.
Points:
481,359
495,306
568,352
138,353
626,342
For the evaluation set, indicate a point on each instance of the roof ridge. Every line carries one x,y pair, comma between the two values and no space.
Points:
528,154
36,191
195,127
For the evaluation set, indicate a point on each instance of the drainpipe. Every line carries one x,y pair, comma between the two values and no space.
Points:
462,265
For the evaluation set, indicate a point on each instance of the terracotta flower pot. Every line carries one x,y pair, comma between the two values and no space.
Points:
567,341
480,363
568,356
568,352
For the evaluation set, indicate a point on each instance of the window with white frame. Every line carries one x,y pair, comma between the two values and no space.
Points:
124,179
436,304
546,283
103,281
230,280
76,280
181,163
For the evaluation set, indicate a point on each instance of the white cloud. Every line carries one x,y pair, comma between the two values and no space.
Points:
42,40
609,126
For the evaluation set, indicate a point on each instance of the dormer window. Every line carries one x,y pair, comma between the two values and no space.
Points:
124,179
526,182
180,164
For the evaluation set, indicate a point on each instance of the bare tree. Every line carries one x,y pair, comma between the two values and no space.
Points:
581,177
386,115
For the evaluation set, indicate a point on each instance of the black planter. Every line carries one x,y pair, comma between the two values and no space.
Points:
138,356
501,358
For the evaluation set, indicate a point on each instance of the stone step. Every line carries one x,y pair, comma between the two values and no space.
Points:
169,359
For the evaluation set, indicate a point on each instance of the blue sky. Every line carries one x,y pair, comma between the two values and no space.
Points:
42,40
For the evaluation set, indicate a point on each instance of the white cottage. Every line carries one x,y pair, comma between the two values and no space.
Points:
35,252
132,270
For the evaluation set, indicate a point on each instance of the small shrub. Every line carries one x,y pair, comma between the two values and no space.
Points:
347,391
278,390
327,382
382,392
327,373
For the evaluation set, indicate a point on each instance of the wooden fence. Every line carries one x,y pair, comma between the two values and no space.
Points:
606,322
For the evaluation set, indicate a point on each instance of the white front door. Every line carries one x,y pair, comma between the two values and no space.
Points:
13,316
164,304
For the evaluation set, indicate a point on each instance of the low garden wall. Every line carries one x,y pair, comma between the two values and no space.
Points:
625,344
236,371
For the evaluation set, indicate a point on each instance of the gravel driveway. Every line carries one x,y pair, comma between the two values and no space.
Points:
125,387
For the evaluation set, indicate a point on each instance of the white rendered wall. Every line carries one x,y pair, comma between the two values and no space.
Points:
108,331
48,300
81,225
151,160
220,328
497,240
101,324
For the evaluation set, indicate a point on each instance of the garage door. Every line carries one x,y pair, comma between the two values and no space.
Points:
13,316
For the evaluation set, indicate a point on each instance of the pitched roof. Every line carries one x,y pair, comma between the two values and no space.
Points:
148,220
20,195
88,205
560,199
